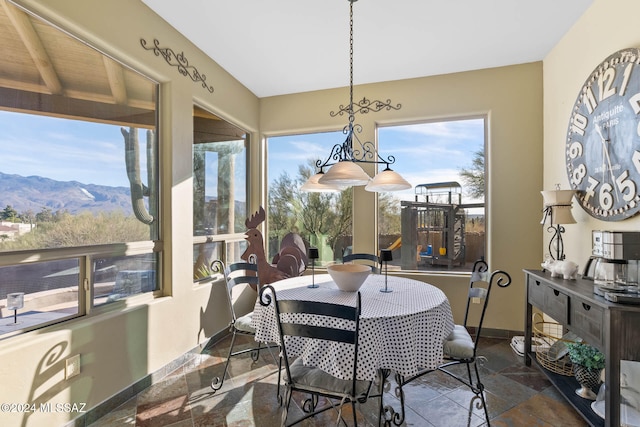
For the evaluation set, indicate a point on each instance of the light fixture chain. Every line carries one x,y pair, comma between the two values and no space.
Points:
365,106
351,114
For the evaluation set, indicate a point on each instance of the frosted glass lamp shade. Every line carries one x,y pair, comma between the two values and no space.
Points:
388,180
346,174
313,186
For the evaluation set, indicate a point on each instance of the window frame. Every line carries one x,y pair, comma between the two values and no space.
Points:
86,254
485,146
223,239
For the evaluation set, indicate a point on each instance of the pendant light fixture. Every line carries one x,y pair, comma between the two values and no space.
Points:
342,168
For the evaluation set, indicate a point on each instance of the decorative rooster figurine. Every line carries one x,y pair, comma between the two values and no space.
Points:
267,273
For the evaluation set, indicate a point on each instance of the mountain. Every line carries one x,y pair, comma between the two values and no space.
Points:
36,192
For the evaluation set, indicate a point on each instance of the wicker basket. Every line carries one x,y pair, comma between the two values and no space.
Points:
551,332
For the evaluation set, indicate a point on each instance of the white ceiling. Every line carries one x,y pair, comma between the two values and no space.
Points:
277,47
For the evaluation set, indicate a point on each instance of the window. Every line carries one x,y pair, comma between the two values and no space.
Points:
219,191
323,220
116,278
78,177
439,225
48,290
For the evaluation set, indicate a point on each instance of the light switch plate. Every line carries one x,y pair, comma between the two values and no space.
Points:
72,366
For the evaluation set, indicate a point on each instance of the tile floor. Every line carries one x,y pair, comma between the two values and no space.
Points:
517,396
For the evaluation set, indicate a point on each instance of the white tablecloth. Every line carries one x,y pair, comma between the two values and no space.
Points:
403,330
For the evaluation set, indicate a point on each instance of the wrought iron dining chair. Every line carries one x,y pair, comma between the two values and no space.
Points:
339,329
237,274
370,259
461,347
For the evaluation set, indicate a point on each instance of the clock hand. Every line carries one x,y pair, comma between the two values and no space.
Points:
604,141
605,149
600,133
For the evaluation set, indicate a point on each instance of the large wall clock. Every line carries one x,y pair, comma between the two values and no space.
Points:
603,139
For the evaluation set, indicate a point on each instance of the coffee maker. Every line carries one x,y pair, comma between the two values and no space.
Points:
613,266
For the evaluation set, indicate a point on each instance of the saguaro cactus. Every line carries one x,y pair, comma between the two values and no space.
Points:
132,160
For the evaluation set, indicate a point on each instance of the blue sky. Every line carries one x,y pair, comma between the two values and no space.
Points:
64,150
92,153
425,152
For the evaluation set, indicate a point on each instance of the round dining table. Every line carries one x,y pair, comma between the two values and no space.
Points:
402,330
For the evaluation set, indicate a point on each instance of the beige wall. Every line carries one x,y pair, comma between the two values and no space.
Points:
145,334
606,27
511,99
120,347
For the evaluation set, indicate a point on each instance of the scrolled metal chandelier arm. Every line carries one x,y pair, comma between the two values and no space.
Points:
339,152
360,152
366,153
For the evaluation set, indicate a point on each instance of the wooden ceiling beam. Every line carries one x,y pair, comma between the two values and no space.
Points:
115,74
75,94
24,27
62,106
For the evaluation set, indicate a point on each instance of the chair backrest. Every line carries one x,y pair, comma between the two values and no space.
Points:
478,274
295,318
479,291
236,274
373,260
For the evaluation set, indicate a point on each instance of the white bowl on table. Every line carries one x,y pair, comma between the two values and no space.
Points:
349,277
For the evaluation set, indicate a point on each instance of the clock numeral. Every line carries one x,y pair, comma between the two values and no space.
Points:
625,79
578,174
605,83
589,99
605,197
575,150
590,191
626,186
579,123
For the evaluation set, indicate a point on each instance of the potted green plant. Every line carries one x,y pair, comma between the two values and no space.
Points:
587,362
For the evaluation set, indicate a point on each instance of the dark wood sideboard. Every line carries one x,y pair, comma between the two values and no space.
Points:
613,328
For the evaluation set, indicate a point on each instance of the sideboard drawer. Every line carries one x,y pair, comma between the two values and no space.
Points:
535,291
556,305
586,321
